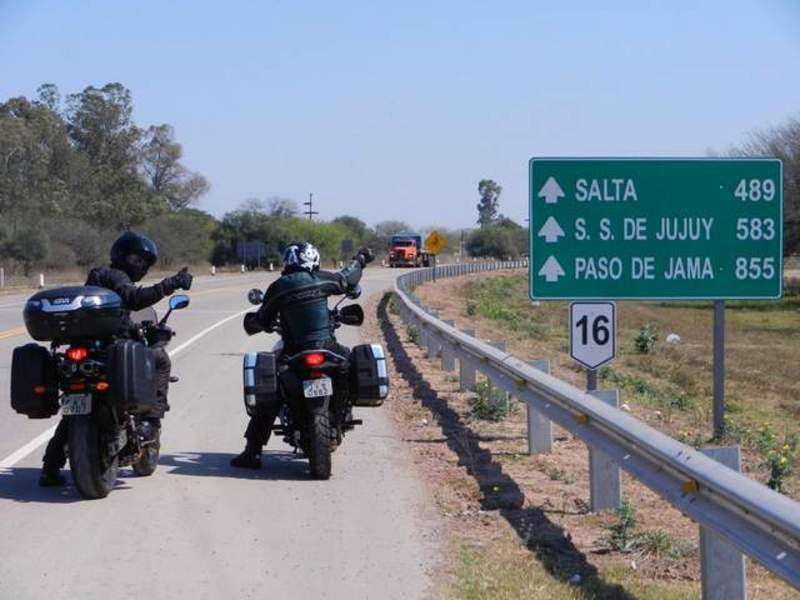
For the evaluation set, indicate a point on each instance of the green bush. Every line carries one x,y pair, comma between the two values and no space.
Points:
645,340
621,535
489,403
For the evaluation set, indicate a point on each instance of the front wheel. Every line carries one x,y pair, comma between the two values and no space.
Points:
93,472
319,445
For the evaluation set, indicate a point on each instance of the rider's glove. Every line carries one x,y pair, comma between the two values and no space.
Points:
364,257
182,280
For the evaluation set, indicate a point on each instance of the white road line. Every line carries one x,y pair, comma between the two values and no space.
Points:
40,439
17,456
205,331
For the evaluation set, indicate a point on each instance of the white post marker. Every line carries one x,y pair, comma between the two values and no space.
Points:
592,332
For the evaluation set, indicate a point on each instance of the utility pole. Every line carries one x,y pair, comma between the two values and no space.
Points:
310,204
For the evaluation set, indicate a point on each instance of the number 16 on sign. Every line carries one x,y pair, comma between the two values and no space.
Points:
592,334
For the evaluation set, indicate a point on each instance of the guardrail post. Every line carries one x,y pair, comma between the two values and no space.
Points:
431,342
500,346
448,358
466,374
722,566
605,481
2,277
41,280
540,428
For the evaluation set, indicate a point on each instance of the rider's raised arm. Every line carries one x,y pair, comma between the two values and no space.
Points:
133,297
342,281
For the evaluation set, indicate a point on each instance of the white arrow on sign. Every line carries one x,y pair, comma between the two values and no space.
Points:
551,231
551,270
551,191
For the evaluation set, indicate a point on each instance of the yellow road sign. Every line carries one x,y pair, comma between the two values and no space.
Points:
435,242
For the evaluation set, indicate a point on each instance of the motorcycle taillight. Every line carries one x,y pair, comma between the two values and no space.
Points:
314,360
76,353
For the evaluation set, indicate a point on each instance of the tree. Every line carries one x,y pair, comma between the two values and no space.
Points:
782,142
28,247
282,207
34,156
183,237
386,229
160,163
502,240
491,241
490,192
356,228
100,127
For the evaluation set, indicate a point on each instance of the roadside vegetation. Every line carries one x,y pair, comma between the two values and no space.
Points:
76,170
669,383
520,525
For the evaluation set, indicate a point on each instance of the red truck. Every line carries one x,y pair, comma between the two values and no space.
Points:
405,250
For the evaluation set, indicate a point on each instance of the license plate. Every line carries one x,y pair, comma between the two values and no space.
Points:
76,404
315,388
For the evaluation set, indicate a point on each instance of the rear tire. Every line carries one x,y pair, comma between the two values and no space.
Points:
320,441
86,454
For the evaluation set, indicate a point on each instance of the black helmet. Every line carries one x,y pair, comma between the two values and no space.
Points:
129,243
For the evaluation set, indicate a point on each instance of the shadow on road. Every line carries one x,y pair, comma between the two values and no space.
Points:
282,466
21,485
551,545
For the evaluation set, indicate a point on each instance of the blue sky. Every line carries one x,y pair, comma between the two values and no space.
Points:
396,110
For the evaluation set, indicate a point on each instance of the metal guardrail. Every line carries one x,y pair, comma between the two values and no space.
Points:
757,520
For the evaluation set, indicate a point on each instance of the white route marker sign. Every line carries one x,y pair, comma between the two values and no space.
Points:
592,332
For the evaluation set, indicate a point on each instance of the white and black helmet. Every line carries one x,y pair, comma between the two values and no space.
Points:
301,255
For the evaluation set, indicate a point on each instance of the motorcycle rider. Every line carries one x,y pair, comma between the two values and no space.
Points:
131,257
299,299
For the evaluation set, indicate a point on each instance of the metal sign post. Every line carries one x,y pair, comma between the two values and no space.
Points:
719,368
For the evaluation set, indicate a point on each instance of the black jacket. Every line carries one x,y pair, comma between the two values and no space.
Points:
299,301
133,297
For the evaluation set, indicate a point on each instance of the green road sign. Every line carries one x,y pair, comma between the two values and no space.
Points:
656,228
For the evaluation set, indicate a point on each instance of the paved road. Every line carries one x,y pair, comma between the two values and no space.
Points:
198,528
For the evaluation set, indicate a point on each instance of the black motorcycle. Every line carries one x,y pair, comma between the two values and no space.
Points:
104,384
316,388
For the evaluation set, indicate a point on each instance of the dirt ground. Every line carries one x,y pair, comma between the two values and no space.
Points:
519,525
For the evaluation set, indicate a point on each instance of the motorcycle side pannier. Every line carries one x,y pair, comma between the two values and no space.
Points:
132,375
67,313
369,378
260,382
34,382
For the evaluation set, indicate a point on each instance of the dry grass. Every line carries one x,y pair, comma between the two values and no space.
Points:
518,525
671,388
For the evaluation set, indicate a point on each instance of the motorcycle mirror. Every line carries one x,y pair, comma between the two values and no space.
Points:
255,296
352,314
179,301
